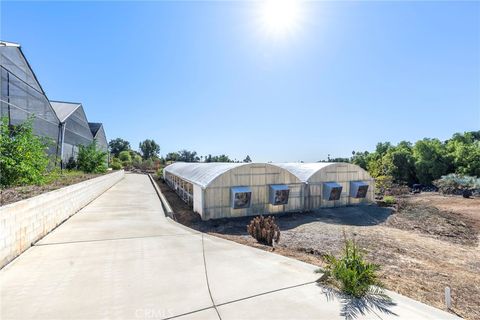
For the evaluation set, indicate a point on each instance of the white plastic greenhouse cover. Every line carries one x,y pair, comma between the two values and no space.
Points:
303,171
64,109
201,174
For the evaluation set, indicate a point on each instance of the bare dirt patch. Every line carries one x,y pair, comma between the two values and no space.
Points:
426,245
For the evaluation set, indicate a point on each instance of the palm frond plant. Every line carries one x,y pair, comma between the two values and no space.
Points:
351,273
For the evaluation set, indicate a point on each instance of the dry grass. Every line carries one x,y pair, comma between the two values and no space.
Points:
430,243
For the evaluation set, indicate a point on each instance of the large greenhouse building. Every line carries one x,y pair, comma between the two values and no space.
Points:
219,190
75,130
22,98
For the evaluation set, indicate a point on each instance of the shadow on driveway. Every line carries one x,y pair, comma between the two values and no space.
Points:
352,308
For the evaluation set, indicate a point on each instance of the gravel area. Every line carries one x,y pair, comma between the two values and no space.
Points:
422,247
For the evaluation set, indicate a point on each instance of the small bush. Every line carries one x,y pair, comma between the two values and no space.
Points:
351,273
389,200
147,165
160,173
137,161
125,156
23,155
264,230
91,160
116,164
457,184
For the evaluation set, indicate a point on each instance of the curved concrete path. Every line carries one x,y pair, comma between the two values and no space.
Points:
121,258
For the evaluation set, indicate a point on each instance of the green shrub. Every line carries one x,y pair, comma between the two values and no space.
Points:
23,155
160,173
125,156
91,159
116,164
147,164
265,230
137,161
351,273
389,200
456,183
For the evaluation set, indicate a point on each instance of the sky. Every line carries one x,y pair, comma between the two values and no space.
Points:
213,77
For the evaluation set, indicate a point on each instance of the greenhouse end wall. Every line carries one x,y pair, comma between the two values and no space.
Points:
343,174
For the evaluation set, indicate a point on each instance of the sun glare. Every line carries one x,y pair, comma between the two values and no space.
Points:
280,18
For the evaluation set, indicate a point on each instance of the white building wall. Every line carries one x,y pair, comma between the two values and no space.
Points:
198,200
258,177
343,174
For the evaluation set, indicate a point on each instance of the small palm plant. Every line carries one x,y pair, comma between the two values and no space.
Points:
351,273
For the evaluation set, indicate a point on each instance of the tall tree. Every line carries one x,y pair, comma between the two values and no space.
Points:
431,161
188,156
247,159
149,149
118,145
172,156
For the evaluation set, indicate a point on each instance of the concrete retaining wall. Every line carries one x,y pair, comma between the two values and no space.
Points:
25,222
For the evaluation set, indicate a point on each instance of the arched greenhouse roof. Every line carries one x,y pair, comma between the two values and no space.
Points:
304,171
201,174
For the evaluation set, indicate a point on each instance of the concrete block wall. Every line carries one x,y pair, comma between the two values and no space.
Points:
25,222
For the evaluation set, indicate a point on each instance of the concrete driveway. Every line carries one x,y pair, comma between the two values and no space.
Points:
121,258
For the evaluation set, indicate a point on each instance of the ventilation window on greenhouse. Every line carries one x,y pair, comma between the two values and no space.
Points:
279,194
332,191
241,197
358,189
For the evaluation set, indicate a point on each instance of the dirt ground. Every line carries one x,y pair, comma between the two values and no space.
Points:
430,242
10,195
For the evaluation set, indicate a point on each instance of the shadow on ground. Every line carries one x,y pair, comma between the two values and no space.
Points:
347,216
376,301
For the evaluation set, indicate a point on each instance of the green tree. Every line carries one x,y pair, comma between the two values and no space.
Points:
23,156
188,156
464,153
125,156
431,161
118,145
360,159
400,164
91,159
149,149
247,159
172,156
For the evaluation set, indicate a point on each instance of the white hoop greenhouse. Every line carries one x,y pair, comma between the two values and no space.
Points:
219,190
